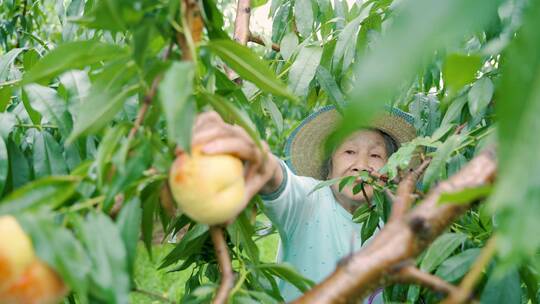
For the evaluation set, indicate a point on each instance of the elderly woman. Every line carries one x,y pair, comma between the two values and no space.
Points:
316,229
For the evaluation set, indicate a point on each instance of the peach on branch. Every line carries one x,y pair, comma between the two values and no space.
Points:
38,284
208,188
16,252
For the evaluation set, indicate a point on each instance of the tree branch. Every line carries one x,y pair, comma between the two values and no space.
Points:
225,267
402,239
241,23
465,289
410,274
404,197
257,39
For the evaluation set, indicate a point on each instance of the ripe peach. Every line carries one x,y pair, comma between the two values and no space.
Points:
208,188
16,252
38,284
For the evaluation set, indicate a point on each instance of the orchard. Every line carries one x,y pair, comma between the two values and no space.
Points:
144,146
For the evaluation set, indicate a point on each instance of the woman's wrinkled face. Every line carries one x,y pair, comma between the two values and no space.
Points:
362,150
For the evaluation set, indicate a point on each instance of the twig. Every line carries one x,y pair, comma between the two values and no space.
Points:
148,99
257,39
225,267
411,274
154,295
404,198
368,201
465,289
402,239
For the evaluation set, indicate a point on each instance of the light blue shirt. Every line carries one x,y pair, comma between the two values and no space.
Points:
315,230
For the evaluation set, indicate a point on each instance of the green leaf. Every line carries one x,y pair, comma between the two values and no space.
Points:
77,85
5,98
454,111
275,114
50,106
480,95
288,45
303,69
459,70
346,42
129,225
361,214
505,289
150,201
454,268
465,196
6,62
72,55
109,277
402,157
107,147
241,232
47,156
49,191
438,162
441,249
30,58
128,171
174,92
287,273
303,16
515,198
329,85
18,165
190,243
250,67
231,114
103,102
4,165
369,227
327,183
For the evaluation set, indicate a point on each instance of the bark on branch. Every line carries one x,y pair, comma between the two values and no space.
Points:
225,267
404,198
258,40
401,239
412,275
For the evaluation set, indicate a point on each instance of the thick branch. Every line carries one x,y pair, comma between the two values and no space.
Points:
404,198
402,239
225,267
412,275
258,40
241,23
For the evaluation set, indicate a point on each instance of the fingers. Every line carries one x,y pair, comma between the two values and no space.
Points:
235,146
207,118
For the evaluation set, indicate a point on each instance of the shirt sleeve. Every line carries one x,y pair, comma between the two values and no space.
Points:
291,202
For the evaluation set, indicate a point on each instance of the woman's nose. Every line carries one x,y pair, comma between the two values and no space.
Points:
360,164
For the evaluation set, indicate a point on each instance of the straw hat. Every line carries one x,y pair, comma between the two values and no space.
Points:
305,147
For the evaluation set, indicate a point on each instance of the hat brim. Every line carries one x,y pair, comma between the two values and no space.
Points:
305,147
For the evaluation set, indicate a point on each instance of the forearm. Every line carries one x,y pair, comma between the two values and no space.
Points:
277,175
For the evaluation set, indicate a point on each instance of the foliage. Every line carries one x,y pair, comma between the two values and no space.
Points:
75,74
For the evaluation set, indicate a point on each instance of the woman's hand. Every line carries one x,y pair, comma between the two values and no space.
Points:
214,136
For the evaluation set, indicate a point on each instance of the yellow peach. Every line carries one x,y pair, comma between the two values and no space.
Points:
16,251
38,284
208,188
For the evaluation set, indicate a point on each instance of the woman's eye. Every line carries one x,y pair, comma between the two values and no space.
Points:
375,155
349,152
